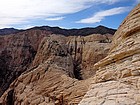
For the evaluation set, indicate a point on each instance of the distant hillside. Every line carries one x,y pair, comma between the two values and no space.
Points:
7,31
82,32
67,32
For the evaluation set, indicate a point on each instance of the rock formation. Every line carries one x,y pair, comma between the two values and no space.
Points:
51,76
71,56
17,51
117,80
86,51
68,70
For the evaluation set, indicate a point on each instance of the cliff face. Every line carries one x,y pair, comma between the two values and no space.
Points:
86,51
57,60
50,78
63,68
16,54
117,80
17,51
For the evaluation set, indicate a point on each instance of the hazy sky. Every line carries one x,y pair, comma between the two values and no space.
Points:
64,13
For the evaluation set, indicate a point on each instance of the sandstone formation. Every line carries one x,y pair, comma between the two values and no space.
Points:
86,51
17,51
68,70
49,81
62,62
117,80
51,75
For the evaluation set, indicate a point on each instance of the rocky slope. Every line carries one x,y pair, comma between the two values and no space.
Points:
59,72
23,52
17,51
117,80
50,79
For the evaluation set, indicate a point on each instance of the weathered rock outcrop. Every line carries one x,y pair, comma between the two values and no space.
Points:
17,52
49,82
51,75
117,80
50,78
86,51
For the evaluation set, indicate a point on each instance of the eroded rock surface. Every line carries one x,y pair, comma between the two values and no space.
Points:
54,77
17,52
86,51
117,80
53,73
50,82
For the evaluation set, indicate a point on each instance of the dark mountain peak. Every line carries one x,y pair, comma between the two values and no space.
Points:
82,32
7,31
103,27
100,26
67,32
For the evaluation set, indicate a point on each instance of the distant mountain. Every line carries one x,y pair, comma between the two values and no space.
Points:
82,32
67,32
7,31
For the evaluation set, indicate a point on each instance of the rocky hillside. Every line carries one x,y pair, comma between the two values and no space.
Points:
17,51
72,70
57,67
23,52
117,80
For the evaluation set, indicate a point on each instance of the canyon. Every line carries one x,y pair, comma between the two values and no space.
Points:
70,56
52,66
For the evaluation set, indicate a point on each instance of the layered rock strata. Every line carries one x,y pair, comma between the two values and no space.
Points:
117,80
54,70
52,76
86,51
17,51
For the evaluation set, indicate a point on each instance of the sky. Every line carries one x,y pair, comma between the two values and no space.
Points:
23,14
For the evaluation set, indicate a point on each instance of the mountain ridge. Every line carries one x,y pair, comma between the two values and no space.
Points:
7,31
67,32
